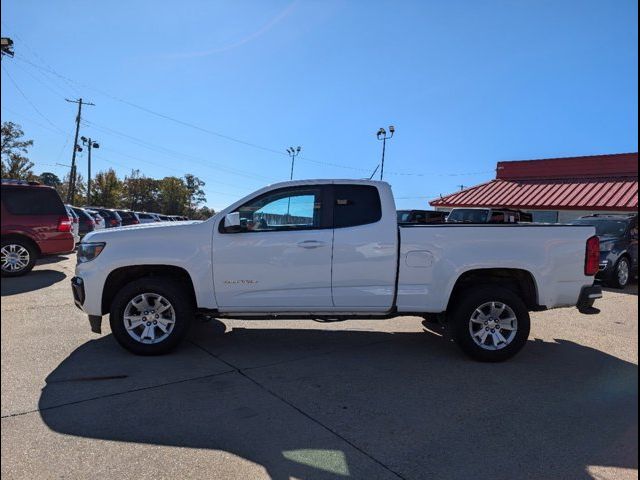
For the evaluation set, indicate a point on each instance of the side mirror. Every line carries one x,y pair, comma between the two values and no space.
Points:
232,222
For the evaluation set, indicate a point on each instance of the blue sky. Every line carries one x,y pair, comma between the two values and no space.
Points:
466,84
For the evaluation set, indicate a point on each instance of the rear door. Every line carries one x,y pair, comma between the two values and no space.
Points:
365,248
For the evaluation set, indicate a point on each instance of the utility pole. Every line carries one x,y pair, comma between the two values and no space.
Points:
89,143
382,135
293,153
72,177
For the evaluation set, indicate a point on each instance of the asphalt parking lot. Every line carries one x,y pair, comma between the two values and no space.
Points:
305,400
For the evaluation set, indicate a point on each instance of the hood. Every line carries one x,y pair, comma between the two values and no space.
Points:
156,229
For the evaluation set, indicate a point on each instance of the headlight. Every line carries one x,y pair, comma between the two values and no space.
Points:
89,251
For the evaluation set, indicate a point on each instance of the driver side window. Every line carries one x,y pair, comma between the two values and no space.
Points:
289,209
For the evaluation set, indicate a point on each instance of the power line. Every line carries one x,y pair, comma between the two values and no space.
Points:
173,153
235,195
35,122
238,140
41,82
30,102
35,54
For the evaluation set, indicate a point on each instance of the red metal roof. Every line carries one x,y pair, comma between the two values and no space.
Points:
603,182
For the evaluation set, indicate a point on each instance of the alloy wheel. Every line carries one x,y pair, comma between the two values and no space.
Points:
623,272
14,258
493,325
149,318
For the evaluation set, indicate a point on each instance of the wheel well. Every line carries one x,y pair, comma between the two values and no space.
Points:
23,238
519,281
121,276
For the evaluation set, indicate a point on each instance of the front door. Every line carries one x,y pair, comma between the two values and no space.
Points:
280,258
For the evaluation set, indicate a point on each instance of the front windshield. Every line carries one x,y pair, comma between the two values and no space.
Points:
604,227
468,215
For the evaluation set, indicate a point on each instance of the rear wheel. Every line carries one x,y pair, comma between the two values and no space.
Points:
621,273
151,315
17,257
490,324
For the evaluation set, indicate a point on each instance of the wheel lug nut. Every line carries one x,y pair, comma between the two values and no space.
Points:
487,328
492,330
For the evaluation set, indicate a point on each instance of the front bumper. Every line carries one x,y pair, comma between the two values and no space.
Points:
588,295
77,287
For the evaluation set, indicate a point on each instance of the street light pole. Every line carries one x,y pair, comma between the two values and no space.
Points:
90,144
382,135
293,153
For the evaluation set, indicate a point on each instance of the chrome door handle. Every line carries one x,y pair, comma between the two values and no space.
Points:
311,244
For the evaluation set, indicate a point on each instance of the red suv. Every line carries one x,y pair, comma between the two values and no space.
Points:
35,223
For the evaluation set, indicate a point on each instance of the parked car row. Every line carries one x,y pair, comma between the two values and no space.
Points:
148,217
463,215
36,223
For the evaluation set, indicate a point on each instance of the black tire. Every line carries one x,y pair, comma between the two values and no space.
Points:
21,243
614,279
467,302
173,292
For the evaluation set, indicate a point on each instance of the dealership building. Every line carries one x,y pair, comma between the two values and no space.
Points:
556,189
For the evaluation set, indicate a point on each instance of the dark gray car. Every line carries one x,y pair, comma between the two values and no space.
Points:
618,236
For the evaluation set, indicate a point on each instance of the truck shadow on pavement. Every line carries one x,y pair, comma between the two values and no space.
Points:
34,280
329,404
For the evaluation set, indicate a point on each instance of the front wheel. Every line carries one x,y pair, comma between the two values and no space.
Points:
490,324
151,315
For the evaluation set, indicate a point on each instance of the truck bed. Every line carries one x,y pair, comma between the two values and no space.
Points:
432,257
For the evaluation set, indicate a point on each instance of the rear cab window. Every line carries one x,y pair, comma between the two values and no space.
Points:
32,201
355,205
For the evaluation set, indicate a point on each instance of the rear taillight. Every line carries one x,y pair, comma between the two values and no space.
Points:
592,257
135,222
113,222
64,224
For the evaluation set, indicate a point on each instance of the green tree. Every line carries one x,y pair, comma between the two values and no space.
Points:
14,163
173,196
50,179
80,197
196,193
106,189
203,213
140,192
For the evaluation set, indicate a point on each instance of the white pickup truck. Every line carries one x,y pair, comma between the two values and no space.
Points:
332,250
